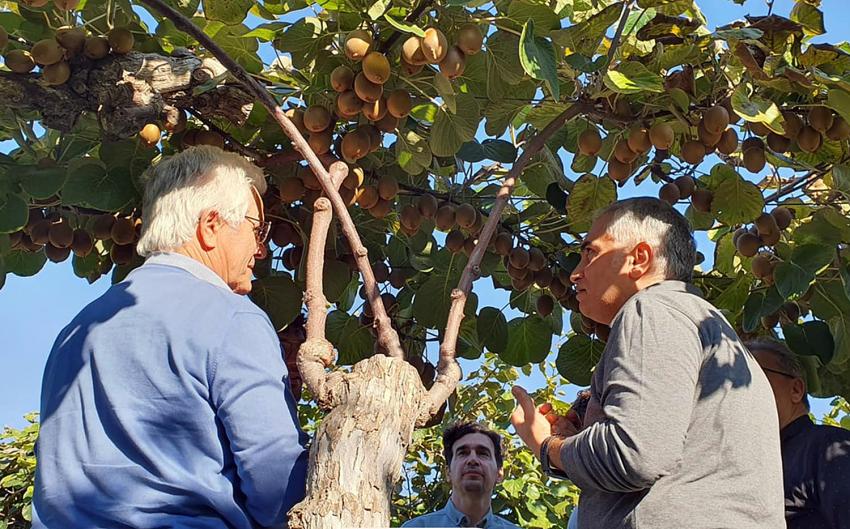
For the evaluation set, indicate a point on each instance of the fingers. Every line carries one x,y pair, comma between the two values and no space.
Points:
545,408
524,401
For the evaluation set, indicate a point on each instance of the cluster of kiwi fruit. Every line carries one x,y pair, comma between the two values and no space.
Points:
803,132
433,48
56,235
765,231
581,324
53,55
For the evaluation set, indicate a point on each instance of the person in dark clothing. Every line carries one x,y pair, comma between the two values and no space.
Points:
815,458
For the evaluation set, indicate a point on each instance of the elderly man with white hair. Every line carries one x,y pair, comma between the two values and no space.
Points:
680,430
165,402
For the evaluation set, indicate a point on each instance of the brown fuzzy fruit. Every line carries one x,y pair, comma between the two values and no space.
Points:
355,177
368,197
434,45
519,257
754,160
619,171
342,78
40,231
465,216
638,140
19,61
589,142
410,69
388,123
357,45
348,105
544,278
321,142
122,254
296,115
56,254
150,134
445,217
701,199
317,118
410,218
782,216
809,139
375,111
761,265
411,52
758,128
716,119
728,142
503,244
376,67
209,137
96,48
686,186
765,224
840,129
709,139
381,209
102,226
121,40
752,143
399,103
545,304
375,137
693,152
427,205
71,38
291,189
366,89
381,271
778,143
454,63
47,51
56,74
388,187
81,243
455,240
470,39
309,179
536,259
123,230
748,244
793,124
661,135
669,193
624,153
61,234
820,118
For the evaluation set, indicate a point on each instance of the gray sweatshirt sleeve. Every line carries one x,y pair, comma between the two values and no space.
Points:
651,370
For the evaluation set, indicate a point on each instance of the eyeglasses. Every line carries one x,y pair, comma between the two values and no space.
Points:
261,230
783,373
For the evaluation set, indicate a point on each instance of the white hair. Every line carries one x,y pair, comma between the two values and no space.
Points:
181,187
650,220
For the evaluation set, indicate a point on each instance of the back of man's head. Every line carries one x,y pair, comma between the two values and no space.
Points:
459,430
633,220
784,358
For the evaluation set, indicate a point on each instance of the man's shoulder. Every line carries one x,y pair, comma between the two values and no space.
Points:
828,435
503,523
432,519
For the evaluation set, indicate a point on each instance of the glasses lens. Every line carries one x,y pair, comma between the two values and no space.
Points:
263,231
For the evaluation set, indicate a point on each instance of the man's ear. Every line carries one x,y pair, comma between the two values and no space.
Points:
642,258
798,390
209,227
501,475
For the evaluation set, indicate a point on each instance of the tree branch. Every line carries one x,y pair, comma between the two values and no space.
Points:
615,42
387,341
412,17
448,370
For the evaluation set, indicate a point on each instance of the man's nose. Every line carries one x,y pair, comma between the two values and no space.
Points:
262,251
575,275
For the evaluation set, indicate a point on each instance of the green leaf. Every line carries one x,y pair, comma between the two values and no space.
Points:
827,227
127,158
632,77
279,297
23,263
378,8
586,36
468,344
791,279
503,63
735,295
537,57
496,150
90,185
446,91
42,183
404,27
229,12
577,358
335,278
493,329
588,195
758,110
529,339
434,297
812,338
353,341
450,131
412,152
187,7
829,300
543,18
736,200
839,101
808,16
13,214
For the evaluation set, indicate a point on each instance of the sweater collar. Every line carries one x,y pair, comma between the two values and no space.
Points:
188,264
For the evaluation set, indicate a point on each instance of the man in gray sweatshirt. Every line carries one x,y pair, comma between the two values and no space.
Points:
681,428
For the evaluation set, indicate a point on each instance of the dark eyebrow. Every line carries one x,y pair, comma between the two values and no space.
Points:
584,244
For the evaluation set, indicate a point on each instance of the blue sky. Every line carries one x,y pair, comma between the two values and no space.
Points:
35,309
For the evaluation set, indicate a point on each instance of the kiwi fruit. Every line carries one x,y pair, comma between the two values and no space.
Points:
342,78
427,205
102,226
469,39
55,253
728,142
321,141
619,171
716,119
376,67
661,135
150,134
752,143
839,131
96,47
434,45
758,128
61,234
381,209
670,193
410,218
411,52
709,139
445,217
388,123
357,45
782,216
123,230
820,118
308,178
693,152
809,139
545,305
71,38
778,143
47,51
399,103
366,89
388,187
317,118
589,142
410,69
623,153
465,215
701,200
296,115
355,145
375,111
793,124
348,105
740,231
543,278
638,140
56,74
455,240
748,244
375,137
19,61
209,137
766,223
686,186
754,160
40,231
34,3
355,177
503,244
368,197
120,40
291,189
454,63
81,243
536,259
519,257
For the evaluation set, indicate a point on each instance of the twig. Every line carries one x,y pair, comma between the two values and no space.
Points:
448,370
387,341
233,143
615,42
796,184
415,14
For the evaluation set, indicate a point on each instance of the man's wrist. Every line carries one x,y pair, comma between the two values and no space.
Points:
550,451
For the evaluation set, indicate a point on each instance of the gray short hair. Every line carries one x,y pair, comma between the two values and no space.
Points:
656,222
180,187
788,361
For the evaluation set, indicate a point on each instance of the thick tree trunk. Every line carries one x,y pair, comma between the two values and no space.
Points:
358,451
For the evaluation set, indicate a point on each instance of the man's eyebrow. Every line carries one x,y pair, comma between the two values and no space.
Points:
584,244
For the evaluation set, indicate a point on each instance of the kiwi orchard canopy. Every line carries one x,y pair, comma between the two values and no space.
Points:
380,183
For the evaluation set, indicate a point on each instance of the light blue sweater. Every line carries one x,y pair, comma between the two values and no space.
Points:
165,403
